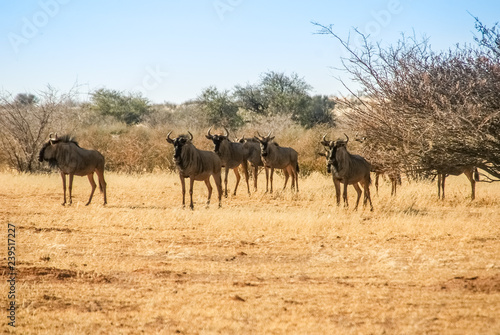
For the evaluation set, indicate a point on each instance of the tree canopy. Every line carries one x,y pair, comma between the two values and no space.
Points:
426,111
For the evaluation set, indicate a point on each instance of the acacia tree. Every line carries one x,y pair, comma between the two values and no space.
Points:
278,94
129,108
424,110
219,107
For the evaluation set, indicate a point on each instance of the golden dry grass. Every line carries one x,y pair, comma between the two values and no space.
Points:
276,264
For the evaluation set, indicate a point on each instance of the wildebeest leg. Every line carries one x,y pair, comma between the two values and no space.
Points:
296,179
102,184
441,180
287,175
245,172
209,188
469,175
93,185
394,180
439,185
226,172
271,179
183,185
336,182
295,183
63,175
358,191
70,187
191,184
367,196
218,184
267,178
255,172
238,178
346,203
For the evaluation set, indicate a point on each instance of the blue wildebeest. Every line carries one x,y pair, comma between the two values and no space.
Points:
65,153
252,148
382,169
276,157
394,178
197,165
252,145
470,172
347,169
232,155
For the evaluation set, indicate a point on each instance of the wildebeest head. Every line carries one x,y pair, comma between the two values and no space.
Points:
264,143
217,139
331,148
48,151
178,143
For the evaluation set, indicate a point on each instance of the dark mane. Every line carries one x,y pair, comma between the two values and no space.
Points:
67,139
64,139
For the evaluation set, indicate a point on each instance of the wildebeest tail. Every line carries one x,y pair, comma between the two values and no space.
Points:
297,167
476,174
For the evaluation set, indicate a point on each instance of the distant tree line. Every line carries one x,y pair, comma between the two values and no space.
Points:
275,94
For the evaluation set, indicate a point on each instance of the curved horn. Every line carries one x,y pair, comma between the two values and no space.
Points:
208,133
169,140
190,135
227,132
268,135
347,138
324,140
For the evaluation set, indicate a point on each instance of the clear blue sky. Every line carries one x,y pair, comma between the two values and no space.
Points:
171,50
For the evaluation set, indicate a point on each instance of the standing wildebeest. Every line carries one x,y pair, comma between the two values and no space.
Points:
232,155
276,157
379,169
347,169
470,171
394,178
252,148
195,164
65,153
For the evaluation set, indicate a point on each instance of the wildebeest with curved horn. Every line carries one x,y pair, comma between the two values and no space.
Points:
277,157
65,153
347,169
195,164
232,155
252,146
470,172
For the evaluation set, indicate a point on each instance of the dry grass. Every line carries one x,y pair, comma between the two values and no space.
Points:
276,264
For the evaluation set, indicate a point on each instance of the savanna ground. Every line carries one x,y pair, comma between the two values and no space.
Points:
276,264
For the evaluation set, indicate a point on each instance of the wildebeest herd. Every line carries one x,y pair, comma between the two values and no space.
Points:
260,151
